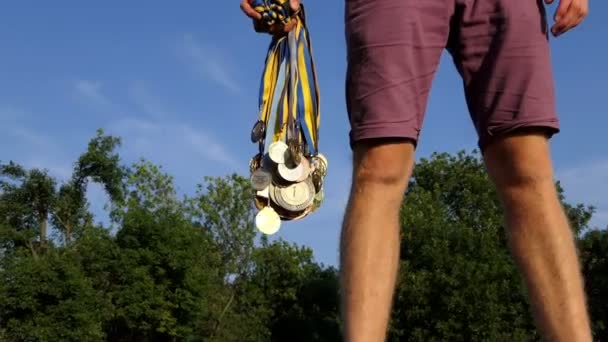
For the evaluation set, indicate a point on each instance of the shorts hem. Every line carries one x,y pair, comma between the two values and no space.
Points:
549,126
384,131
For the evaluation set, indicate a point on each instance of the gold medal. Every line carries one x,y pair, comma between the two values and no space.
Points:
255,162
267,221
277,151
319,197
321,164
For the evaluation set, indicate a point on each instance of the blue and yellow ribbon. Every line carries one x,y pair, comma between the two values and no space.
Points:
289,82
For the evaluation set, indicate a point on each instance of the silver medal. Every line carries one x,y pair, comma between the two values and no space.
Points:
295,197
277,151
305,163
290,174
260,179
263,193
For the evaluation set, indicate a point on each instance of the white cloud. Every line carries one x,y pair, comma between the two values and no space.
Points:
30,147
35,140
208,61
153,129
172,139
146,102
588,183
92,94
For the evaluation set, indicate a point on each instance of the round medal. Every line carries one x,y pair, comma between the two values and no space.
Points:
267,221
322,157
295,197
294,151
260,179
263,193
290,174
305,163
320,164
319,197
276,152
257,133
255,162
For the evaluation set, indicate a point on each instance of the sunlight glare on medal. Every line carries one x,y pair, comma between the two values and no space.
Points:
268,221
276,152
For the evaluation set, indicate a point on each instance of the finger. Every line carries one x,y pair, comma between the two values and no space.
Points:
549,2
294,4
290,25
562,9
575,14
249,11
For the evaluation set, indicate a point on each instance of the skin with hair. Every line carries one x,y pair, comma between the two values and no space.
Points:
540,238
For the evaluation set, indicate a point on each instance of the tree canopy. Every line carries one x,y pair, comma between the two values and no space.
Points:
177,268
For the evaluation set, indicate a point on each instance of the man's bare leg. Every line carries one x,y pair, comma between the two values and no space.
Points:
539,235
370,237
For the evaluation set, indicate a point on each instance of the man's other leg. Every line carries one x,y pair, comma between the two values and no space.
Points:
393,52
501,49
370,237
539,235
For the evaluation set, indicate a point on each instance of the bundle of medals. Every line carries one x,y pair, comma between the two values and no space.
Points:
287,173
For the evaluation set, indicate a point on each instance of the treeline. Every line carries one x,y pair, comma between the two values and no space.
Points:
173,268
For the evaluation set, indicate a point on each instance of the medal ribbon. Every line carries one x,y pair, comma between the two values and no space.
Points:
289,81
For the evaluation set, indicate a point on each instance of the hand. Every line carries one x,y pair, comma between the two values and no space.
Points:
569,14
259,26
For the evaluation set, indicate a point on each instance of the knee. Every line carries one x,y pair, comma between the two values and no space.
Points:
521,166
385,167
526,187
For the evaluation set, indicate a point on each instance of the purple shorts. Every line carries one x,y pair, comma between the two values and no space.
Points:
499,47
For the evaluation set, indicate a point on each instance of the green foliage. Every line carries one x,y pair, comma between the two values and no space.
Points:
457,280
50,299
224,207
594,254
194,268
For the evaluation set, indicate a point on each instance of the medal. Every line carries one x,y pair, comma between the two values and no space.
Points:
294,151
290,174
267,221
305,163
320,164
255,163
319,198
276,152
260,179
263,193
295,197
258,132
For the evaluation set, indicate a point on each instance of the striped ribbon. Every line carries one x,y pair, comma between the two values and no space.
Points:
289,93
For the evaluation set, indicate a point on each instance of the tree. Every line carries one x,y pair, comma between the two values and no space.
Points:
594,255
26,199
457,279
174,268
298,296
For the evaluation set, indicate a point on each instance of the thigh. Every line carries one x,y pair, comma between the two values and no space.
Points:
501,49
393,49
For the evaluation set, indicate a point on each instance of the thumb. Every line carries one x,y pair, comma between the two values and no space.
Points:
294,4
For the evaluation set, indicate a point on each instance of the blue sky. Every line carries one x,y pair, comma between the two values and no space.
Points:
179,84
